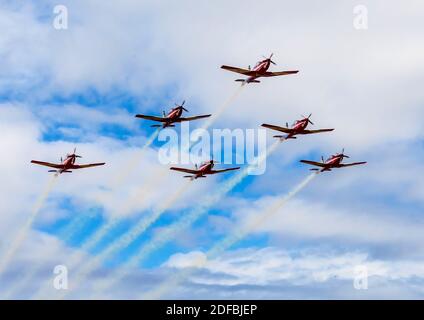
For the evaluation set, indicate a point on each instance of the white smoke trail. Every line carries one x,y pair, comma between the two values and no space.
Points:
69,231
93,240
217,113
144,224
184,222
129,168
22,233
126,239
228,241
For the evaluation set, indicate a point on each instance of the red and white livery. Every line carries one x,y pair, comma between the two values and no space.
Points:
173,116
331,163
260,70
204,169
67,165
298,128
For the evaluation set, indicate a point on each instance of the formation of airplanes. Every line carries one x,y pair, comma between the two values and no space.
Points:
207,168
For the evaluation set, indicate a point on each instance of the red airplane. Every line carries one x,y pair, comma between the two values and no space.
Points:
174,116
203,170
260,70
299,127
331,163
67,165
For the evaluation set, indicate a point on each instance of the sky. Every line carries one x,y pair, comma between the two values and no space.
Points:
80,88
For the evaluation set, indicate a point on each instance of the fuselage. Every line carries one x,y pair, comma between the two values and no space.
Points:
204,169
260,68
298,127
333,162
67,163
172,116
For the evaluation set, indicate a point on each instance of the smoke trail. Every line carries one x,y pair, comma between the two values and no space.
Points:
184,222
69,231
125,240
147,222
93,240
228,241
221,109
22,233
119,179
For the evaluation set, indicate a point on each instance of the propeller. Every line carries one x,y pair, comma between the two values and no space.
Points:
182,106
307,118
269,59
75,155
343,155
322,158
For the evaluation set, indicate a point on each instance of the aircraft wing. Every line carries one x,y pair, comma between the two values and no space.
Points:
314,163
280,73
83,166
315,131
47,164
223,170
193,118
184,170
142,116
351,164
282,129
239,70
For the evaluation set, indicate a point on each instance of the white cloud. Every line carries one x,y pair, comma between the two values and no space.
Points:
275,270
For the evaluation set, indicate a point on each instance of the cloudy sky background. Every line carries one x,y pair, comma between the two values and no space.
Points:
81,87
